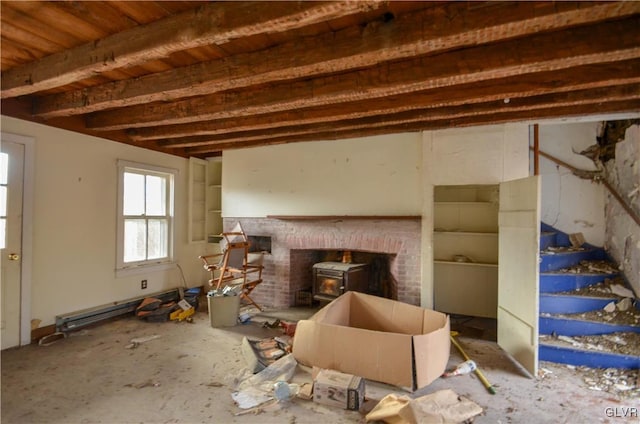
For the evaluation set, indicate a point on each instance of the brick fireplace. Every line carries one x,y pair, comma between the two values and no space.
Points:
295,243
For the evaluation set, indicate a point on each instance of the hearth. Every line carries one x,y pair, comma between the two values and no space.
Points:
331,279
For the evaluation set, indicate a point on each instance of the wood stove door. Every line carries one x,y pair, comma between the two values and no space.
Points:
327,284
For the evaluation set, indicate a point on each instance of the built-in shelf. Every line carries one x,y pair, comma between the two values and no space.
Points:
205,200
466,225
471,264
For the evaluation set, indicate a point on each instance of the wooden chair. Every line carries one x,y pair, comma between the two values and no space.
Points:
233,268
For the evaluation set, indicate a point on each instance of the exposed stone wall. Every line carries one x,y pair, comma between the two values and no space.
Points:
399,238
622,233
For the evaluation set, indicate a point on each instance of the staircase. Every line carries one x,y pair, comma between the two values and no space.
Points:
588,315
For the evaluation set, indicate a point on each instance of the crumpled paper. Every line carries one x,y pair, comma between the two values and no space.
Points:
441,407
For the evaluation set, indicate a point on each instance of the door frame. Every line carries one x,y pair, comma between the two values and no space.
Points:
28,187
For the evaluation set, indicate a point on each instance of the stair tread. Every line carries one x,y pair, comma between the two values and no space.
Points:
588,267
623,343
628,318
605,288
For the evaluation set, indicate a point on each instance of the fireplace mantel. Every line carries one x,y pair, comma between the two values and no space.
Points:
332,217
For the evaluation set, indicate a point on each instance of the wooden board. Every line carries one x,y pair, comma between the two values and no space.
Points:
518,284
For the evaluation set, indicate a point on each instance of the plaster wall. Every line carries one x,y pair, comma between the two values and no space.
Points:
365,176
622,232
479,155
74,222
569,203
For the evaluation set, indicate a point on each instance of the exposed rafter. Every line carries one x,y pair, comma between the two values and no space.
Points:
198,78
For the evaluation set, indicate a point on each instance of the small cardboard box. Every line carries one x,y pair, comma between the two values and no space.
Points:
376,338
341,390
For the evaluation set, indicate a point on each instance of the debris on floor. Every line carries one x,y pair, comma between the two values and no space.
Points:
258,388
442,406
260,353
134,343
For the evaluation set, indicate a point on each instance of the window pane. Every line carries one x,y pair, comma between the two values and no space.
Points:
3,233
133,200
3,200
134,240
4,167
158,238
156,195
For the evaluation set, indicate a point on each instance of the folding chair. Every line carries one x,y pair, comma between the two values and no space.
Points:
232,267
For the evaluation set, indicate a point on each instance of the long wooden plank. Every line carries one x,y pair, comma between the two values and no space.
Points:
212,23
574,98
608,42
352,48
579,78
632,106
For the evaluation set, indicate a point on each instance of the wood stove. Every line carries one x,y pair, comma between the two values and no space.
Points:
331,279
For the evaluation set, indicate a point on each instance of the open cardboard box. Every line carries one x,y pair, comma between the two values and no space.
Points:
376,338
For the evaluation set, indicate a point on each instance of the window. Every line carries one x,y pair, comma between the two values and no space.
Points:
145,215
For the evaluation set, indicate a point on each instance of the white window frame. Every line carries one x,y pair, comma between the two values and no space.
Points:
127,268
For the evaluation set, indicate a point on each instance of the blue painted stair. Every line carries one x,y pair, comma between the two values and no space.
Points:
567,308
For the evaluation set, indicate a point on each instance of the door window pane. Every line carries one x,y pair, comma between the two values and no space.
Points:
3,200
4,167
3,233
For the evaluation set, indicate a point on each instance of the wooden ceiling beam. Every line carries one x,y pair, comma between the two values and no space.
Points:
573,98
211,23
602,43
632,106
352,48
579,78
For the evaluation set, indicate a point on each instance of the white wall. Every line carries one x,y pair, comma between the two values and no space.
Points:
74,223
569,203
478,155
366,176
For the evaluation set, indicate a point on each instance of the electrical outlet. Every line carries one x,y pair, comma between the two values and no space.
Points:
143,284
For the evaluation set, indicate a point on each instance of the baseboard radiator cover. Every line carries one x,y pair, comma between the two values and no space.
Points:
76,320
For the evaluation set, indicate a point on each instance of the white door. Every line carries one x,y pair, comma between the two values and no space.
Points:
11,201
518,271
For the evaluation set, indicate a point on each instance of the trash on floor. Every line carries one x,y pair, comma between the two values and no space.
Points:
464,368
51,338
261,353
134,343
442,406
259,388
334,388
184,313
153,310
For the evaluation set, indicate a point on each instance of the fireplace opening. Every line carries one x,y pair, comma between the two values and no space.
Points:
322,275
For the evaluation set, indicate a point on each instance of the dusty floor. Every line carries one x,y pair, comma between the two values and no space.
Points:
187,374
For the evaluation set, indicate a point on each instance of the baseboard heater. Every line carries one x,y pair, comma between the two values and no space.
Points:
75,320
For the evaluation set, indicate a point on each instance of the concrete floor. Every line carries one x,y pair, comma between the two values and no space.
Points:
187,374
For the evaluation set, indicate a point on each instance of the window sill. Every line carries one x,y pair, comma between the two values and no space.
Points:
144,269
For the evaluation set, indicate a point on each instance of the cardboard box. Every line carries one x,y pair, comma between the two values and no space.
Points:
334,388
376,338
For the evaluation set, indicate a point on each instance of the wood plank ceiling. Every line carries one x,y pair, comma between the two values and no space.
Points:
196,78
